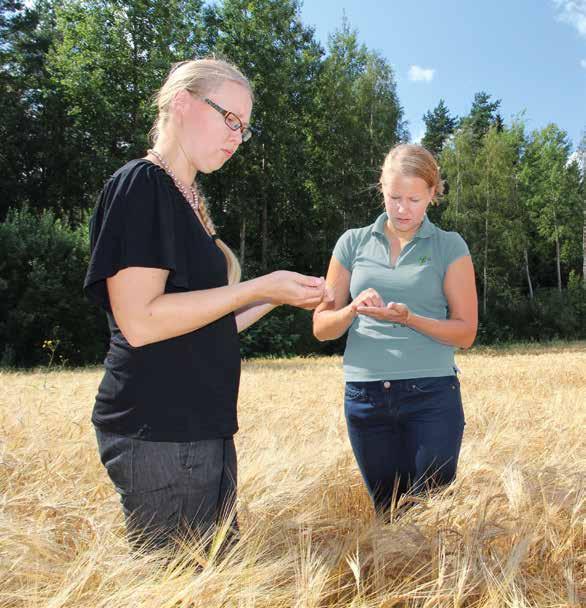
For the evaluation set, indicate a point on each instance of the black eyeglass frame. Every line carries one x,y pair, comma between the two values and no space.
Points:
246,131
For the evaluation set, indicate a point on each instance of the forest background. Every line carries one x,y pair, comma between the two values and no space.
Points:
76,85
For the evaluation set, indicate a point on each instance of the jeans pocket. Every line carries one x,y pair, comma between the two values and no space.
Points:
441,394
203,459
429,386
155,465
355,392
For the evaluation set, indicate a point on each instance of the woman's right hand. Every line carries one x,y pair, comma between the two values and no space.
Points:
368,297
285,287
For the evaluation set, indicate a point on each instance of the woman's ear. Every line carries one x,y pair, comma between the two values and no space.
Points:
180,101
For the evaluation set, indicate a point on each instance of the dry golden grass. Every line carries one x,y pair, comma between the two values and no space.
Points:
508,533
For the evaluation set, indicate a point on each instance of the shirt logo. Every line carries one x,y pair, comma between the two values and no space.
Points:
424,260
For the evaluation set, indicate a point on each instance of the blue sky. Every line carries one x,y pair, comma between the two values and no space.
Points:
531,54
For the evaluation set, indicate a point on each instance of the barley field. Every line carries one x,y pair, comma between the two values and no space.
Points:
510,532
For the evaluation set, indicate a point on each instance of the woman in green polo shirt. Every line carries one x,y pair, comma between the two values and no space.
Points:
405,290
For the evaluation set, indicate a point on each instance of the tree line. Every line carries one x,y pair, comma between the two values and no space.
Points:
77,79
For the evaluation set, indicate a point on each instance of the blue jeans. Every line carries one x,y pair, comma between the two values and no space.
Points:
405,434
168,489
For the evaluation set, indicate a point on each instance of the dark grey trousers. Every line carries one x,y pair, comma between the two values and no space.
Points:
167,489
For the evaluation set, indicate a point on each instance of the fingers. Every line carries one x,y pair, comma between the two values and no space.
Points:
308,281
395,312
400,310
296,289
376,312
316,291
375,300
369,297
308,302
307,297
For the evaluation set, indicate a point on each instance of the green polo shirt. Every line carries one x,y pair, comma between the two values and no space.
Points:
379,350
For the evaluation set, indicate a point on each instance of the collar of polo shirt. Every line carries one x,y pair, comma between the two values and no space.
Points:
425,230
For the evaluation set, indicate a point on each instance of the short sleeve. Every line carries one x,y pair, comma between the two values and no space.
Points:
133,225
454,249
344,250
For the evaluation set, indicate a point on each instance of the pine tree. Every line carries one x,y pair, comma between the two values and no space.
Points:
482,116
439,125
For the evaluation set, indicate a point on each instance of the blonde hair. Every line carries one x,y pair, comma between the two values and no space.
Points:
412,160
200,77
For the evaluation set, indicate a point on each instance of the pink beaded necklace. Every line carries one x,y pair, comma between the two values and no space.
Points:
189,195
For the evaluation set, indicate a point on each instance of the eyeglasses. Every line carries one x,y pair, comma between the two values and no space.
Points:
232,121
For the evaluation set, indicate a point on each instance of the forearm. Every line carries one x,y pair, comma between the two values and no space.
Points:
331,324
174,314
247,315
454,332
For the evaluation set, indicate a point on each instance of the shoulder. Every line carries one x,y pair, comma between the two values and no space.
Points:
451,245
354,237
357,235
136,174
447,237
137,183
349,243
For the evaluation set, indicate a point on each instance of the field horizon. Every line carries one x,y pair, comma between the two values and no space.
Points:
510,531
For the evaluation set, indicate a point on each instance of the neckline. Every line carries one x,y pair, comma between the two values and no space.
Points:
178,192
402,244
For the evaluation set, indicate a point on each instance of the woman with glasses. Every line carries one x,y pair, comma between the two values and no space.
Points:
165,412
405,291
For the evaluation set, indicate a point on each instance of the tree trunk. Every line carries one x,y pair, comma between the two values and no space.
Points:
458,186
371,132
264,223
584,247
242,241
557,260
557,252
265,239
484,288
135,68
325,253
485,270
529,283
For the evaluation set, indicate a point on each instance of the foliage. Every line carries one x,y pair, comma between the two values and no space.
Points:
76,85
42,266
271,335
439,125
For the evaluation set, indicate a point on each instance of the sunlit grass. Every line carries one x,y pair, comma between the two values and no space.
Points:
509,531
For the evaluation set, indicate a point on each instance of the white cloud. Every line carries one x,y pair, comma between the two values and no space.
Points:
583,63
419,134
418,74
579,157
573,12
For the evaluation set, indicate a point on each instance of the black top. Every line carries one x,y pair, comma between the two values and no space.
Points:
179,389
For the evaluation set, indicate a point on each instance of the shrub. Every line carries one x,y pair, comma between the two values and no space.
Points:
42,267
551,315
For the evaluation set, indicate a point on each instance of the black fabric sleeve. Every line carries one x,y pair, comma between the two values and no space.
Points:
134,224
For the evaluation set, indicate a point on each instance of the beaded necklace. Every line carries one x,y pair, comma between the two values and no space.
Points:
189,195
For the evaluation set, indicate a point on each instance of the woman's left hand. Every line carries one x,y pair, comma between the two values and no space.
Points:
393,312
